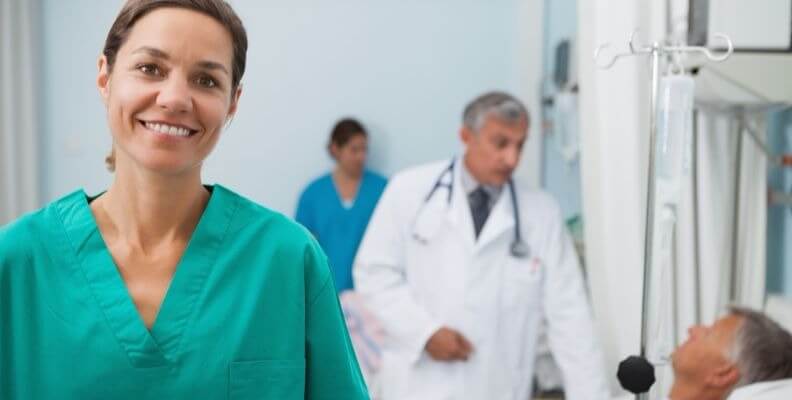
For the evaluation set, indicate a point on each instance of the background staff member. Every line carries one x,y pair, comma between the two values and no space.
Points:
336,207
460,265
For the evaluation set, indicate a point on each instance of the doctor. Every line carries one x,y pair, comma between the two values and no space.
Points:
461,265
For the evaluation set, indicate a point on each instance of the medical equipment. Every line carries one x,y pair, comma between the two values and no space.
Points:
666,162
636,374
518,248
674,115
565,125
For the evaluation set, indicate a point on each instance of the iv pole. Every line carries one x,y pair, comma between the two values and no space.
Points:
656,50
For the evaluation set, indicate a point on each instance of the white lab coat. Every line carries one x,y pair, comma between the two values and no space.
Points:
418,273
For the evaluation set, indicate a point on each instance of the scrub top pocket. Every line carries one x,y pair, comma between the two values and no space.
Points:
267,380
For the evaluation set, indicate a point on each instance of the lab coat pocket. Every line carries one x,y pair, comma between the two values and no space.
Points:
267,379
522,285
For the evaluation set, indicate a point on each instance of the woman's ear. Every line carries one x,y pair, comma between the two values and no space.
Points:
103,79
232,108
333,148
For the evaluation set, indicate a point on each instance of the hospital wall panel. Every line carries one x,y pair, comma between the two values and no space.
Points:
404,68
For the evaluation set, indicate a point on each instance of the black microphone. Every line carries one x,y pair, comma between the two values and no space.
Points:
636,374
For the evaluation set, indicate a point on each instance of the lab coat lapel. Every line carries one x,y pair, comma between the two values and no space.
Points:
430,219
437,213
500,220
459,213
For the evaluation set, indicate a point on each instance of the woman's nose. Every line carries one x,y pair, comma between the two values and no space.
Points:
174,96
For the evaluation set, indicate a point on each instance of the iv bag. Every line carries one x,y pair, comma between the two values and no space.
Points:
674,135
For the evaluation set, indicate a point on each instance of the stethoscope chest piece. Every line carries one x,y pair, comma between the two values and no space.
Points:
519,249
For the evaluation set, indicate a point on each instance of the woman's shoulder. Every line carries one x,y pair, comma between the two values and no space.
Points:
23,236
376,178
267,224
267,228
319,184
17,238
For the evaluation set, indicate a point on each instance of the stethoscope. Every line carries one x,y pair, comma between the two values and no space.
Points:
518,248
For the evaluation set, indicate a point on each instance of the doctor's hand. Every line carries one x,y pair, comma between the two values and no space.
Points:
448,345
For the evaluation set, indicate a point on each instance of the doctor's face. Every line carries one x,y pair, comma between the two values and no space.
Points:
169,92
704,355
492,153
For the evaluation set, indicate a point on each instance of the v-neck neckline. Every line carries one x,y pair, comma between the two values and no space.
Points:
159,345
340,199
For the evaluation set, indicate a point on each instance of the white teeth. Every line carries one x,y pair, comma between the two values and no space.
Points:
168,129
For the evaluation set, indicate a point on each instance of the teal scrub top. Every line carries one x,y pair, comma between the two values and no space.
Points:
339,229
250,313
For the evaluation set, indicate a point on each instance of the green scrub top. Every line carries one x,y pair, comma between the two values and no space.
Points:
251,313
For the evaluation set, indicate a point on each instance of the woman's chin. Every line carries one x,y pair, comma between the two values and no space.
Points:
169,167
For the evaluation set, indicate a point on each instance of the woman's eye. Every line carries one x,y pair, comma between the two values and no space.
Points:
149,69
206,82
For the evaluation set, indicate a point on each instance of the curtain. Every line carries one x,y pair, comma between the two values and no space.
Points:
19,183
732,253
716,263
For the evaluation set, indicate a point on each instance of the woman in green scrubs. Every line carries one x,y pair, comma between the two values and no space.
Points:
161,287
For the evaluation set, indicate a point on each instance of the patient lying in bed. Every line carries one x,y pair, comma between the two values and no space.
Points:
744,355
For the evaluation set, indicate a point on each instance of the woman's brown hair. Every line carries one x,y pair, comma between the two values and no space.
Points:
220,10
343,131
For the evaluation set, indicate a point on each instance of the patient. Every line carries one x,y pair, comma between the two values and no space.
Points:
744,355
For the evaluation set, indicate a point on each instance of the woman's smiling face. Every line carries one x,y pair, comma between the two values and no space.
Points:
169,93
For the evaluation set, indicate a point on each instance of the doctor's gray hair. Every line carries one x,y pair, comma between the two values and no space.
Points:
762,349
500,105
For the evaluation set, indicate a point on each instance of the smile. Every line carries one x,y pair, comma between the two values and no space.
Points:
168,129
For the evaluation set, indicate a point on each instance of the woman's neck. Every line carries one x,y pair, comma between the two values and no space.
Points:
147,209
347,176
347,184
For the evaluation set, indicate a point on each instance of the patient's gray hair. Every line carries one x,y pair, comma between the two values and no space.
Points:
762,349
501,105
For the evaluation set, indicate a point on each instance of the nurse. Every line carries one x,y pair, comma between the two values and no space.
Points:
162,287
336,207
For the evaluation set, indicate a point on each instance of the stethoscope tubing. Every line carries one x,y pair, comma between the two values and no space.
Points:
518,248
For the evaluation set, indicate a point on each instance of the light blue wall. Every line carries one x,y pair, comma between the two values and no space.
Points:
75,139
779,218
560,178
405,68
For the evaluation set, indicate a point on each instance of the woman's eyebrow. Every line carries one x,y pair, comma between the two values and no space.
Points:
152,51
211,65
157,53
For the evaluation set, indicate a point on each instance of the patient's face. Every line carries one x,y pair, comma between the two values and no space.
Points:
706,349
